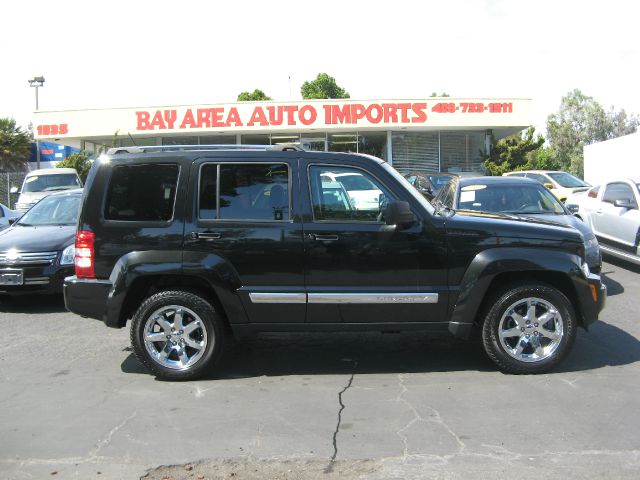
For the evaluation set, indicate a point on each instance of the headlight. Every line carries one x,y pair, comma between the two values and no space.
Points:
585,269
592,243
68,255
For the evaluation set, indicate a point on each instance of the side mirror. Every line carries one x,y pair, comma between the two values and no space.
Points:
624,203
399,213
573,208
12,220
548,186
13,190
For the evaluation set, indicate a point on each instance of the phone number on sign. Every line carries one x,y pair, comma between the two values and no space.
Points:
464,107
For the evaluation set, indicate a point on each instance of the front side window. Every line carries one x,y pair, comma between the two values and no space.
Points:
617,191
247,192
142,193
346,194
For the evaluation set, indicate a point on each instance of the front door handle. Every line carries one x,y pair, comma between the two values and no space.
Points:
329,238
205,235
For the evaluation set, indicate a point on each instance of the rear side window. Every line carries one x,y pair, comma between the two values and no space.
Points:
247,192
142,193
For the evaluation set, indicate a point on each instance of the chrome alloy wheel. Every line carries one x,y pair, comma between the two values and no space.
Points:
531,330
175,337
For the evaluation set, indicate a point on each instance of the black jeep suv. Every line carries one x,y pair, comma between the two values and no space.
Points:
191,244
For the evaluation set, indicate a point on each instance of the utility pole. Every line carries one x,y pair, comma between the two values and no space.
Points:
37,82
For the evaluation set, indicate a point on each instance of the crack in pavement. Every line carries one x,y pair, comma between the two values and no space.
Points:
329,468
435,418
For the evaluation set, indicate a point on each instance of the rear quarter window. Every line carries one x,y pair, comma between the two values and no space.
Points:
142,193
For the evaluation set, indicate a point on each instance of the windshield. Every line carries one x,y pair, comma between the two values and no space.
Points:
567,180
53,210
520,199
50,183
440,180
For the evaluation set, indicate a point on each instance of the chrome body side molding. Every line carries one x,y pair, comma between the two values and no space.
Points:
278,297
260,297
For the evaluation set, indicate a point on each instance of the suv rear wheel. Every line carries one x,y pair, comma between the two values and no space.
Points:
177,335
529,329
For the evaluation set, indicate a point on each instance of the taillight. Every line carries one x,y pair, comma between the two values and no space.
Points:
85,254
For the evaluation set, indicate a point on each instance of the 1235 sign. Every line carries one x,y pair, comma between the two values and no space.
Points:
61,129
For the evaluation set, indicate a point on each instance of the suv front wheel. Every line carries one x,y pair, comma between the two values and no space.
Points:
177,335
529,329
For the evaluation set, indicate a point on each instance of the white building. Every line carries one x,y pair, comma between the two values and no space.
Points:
613,159
433,134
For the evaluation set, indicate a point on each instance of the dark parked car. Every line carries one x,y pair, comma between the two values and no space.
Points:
517,196
429,184
190,244
37,251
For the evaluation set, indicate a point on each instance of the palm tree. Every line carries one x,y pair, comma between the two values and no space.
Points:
15,146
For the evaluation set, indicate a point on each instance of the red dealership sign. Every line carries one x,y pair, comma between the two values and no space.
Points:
295,116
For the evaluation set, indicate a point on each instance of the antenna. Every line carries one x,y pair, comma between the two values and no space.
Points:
132,140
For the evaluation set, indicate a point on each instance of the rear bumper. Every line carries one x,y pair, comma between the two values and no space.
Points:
87,297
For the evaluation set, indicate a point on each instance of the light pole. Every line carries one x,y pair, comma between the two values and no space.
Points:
37,82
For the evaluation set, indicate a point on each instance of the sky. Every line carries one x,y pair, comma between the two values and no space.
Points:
98,54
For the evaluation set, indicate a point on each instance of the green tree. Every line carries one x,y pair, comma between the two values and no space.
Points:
516,152
80,161
324,86
254,96
443,94
580,121
15,146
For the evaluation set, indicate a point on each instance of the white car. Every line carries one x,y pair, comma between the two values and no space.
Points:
40,183
363,193
6,214
611,210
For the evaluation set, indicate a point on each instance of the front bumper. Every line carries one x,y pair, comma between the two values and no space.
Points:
37,279
592,294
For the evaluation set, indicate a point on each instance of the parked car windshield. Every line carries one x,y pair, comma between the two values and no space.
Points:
53,210
50,183
567,180
440,180
518,199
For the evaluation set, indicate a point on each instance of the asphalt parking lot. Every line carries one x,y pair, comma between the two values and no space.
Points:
77,404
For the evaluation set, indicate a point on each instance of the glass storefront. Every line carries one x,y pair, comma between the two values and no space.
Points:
433,151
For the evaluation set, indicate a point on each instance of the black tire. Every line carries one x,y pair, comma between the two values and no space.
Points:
524,351
207,331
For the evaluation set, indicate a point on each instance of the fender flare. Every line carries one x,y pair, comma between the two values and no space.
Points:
488,264
207,267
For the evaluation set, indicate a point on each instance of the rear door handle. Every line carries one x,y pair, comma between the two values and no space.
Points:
205,235
325,238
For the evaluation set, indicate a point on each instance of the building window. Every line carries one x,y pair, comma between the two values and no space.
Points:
180,140
218,140
374,143
415,152
255,140
462,151
343,142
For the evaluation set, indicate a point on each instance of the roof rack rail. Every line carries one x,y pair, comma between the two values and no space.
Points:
287,147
